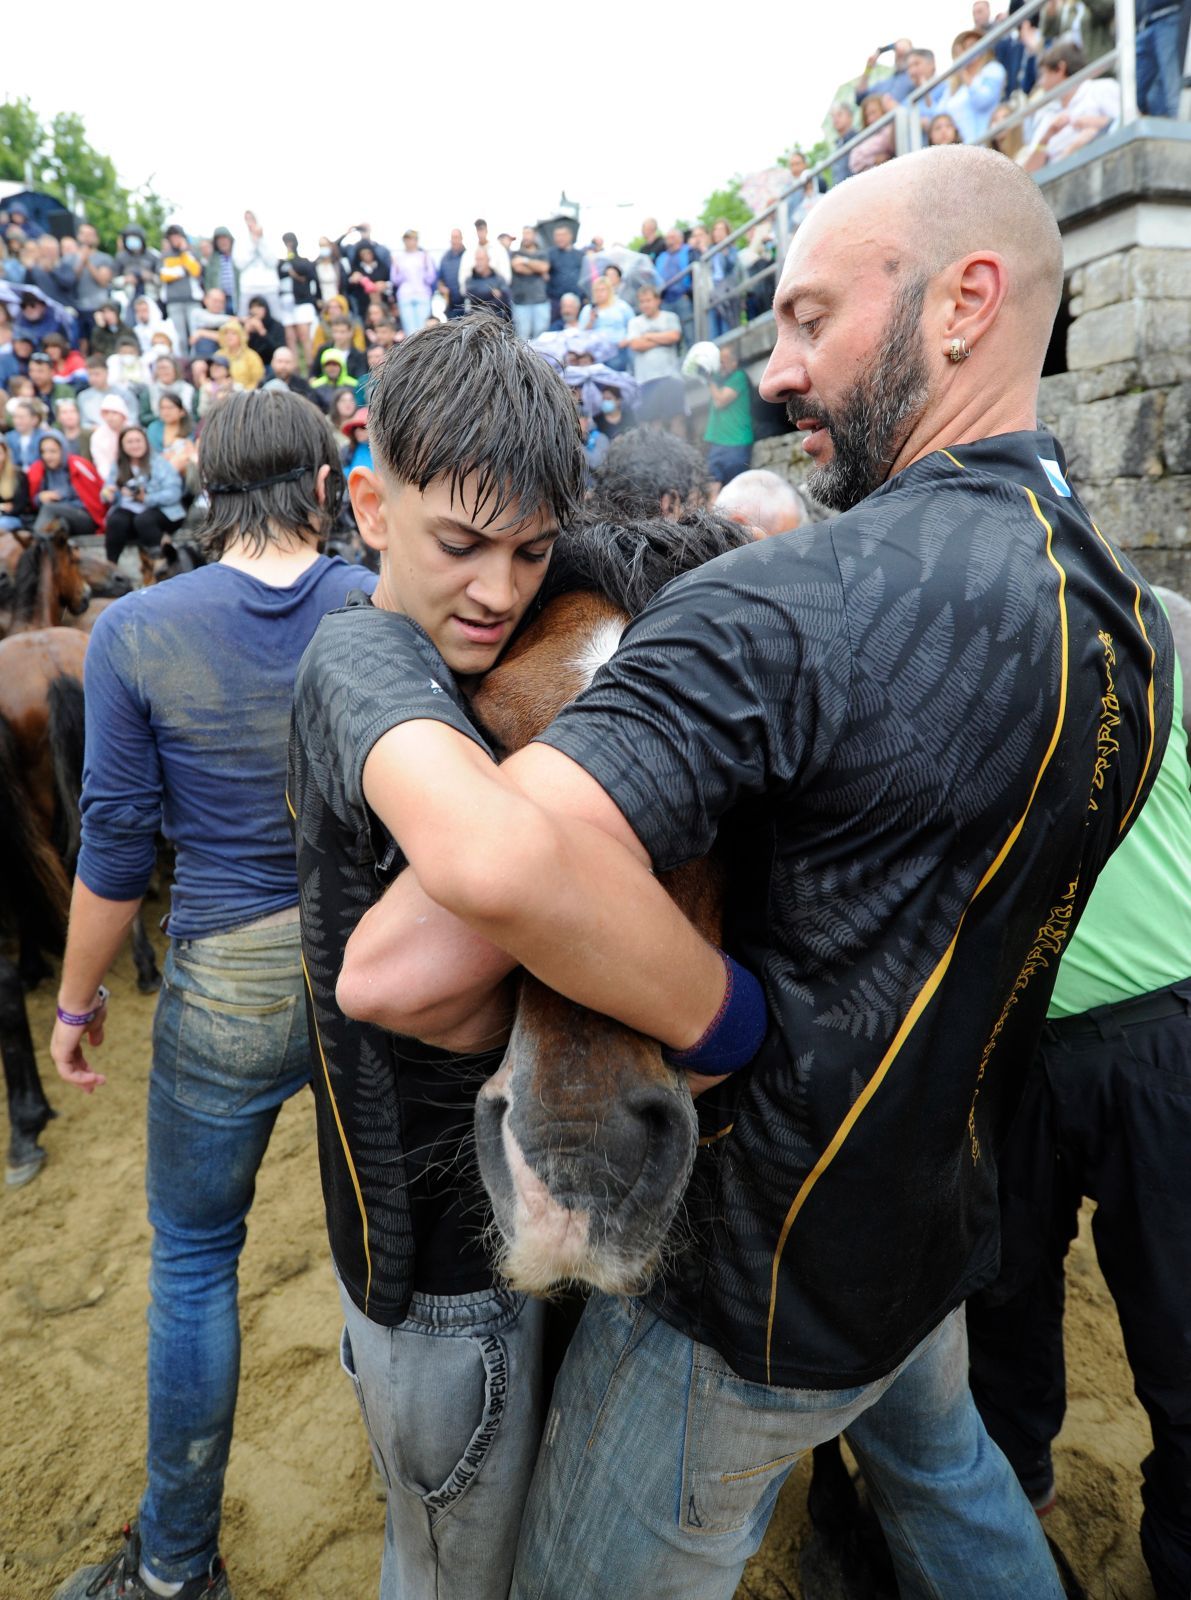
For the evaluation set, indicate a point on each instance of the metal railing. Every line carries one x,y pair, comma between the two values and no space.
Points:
906,121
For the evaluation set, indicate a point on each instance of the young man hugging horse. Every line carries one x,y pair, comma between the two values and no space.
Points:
478,465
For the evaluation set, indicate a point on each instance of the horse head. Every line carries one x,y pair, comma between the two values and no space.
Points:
106,580
49,578
585,1136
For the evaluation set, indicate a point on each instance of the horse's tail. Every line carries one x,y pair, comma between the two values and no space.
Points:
34,888
66,732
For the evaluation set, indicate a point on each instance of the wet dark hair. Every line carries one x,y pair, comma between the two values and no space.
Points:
470,398
629,559
641,466
258,434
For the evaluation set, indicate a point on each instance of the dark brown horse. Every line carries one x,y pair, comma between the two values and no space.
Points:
41,743
45,581
585,1136
41,775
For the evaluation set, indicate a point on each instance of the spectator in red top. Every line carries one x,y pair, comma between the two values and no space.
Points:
65,486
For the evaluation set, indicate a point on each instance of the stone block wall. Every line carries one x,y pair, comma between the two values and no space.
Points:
1122,410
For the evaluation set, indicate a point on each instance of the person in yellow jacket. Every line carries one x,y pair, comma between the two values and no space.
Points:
181,274
247,368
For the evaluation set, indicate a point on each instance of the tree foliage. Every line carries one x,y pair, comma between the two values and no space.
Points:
728,203
63,160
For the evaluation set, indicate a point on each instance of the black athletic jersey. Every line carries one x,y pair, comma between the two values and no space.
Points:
405,1208
915,733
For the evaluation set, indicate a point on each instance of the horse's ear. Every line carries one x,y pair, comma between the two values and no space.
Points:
58,532
23,536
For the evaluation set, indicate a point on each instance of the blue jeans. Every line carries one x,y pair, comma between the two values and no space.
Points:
413,314
1159,69
229,1046
728,461
531,321
660,1468
9,524
452,1404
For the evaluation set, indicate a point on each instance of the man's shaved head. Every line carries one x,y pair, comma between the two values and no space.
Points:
949,201
762,500
914,310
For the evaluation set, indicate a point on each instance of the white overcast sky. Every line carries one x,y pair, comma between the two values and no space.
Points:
319,116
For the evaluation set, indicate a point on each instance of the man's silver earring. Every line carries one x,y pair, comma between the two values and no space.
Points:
959,350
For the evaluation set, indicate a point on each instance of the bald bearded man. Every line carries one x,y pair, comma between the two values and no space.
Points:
915,733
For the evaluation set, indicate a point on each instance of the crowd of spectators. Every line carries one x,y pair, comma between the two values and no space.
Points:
111,361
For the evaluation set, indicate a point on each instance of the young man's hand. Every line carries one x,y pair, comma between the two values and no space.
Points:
66,1047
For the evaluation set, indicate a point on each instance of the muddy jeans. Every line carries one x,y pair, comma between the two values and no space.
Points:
452,1401
229,1047
660,1469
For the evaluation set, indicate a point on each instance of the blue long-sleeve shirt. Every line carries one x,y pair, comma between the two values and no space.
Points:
188,690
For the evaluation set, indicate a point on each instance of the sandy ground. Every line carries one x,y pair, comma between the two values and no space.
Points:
301,1520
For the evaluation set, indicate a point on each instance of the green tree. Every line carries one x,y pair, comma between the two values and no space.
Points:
64,163
727,202
21,138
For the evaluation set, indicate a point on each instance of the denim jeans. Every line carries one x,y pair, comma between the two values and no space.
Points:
531,321
229,1046
413,313
452,1403
728,461
660,1469
1159,69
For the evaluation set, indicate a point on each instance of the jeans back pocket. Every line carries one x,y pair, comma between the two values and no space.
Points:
226,1053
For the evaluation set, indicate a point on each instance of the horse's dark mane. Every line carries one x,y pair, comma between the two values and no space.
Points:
629,561
27,577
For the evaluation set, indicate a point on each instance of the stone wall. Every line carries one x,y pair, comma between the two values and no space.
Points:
1122,410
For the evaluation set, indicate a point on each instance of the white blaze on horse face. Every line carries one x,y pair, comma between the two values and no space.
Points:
550,1241
598,650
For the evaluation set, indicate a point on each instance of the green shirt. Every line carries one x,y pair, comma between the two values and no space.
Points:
1135,935
733,423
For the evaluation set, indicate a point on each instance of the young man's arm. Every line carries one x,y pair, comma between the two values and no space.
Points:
97,930
568,897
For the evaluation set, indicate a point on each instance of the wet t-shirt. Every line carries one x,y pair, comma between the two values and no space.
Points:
914,734
405,1209
188,691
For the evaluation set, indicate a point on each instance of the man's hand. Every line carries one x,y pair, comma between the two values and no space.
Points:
66,1047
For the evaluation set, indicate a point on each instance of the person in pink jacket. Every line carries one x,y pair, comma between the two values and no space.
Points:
414,274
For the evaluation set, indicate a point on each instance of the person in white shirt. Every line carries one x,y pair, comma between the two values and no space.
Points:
653,337
256,260
498,256
1081,115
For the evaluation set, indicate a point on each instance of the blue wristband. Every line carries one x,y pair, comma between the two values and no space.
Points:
734,1034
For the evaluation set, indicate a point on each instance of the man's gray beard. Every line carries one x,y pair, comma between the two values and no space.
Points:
877,414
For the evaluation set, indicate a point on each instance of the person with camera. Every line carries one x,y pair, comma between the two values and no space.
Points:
145,495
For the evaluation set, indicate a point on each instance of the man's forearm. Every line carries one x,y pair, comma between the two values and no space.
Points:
574,907
97,929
